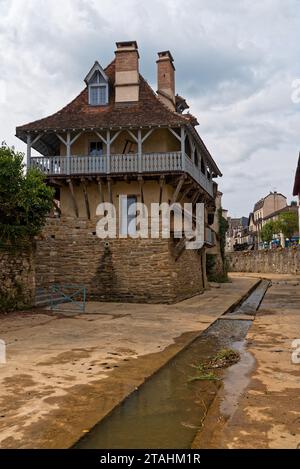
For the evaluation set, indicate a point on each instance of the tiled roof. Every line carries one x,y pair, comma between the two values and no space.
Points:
296,189
148,111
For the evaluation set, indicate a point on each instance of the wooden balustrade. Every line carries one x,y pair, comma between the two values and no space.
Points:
121,164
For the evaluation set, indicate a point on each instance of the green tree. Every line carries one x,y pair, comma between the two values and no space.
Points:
25,199
288,223
268,230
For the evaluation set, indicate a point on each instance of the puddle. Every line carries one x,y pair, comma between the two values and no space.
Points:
168,410
236,379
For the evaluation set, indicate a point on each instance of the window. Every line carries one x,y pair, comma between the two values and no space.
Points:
128,215
97,82
95,148
98,95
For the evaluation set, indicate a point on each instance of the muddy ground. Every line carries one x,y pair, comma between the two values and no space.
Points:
266,413
65,371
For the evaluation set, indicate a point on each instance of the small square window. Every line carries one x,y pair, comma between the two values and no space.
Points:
98,95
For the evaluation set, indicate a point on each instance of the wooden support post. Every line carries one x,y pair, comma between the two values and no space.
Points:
182,142
186,191
109,190
108,142
162,182
195,198
178,188
56,182
139,150
180,247
28,152
86,198
141,182
68,144
100,188
69,181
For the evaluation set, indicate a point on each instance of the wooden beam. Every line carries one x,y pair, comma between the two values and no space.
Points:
69,181
61,139
140,143
182,146
141,182
180,247
100,136
147,135
75,138
109,190
178,188
56,182
196,196
162,182
174,133
108,142
132,135
36,139
100,189
86,198
115,136
186,191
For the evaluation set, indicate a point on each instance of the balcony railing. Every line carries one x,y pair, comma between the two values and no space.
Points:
121,164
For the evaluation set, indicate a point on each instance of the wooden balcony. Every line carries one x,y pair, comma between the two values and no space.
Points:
171,162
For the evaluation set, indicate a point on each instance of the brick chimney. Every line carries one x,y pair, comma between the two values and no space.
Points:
166,79
127,72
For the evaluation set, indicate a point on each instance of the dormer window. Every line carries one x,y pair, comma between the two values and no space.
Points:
97,82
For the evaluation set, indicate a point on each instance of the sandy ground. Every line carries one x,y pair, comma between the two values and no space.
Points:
267,413
65,371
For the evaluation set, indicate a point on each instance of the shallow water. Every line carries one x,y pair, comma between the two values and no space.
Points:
168,410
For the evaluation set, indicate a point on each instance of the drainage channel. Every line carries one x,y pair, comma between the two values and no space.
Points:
169,409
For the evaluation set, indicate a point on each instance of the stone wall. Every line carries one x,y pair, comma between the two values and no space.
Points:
281,261
17,278
137,270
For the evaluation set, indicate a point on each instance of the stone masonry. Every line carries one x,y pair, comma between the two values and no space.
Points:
136,270
280,261
17,278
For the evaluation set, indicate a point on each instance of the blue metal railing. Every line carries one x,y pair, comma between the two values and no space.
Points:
75,295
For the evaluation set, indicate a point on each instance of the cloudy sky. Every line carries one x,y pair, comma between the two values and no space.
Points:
236,63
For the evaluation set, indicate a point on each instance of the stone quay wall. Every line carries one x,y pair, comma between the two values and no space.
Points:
134,270
277,261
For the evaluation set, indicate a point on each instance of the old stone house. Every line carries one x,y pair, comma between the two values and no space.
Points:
118,137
